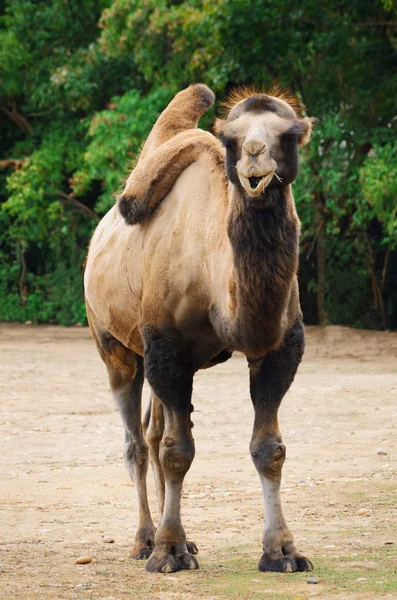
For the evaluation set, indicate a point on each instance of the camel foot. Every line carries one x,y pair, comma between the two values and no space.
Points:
187,562
288,564
191,548
161,562
144,543
141,550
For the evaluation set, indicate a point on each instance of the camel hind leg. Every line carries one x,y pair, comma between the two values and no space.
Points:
153,427
126,376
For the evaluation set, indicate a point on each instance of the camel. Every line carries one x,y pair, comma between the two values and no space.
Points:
198,259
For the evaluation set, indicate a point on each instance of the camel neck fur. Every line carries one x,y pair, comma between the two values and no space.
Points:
264,239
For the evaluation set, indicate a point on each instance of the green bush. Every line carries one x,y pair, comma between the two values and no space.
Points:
81,84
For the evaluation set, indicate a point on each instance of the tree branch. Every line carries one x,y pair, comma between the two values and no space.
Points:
16,117
22,288
82,207
15,163
376,288
385,268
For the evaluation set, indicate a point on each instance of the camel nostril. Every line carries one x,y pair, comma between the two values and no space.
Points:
254,147
254,182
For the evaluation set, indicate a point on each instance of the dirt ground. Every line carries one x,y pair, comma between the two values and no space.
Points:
64,489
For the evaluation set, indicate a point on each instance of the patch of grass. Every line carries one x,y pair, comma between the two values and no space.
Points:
234,575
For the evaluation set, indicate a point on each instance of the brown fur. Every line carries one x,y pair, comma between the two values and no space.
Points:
182,113
151,181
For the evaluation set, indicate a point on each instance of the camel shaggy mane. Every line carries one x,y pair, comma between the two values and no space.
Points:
241,93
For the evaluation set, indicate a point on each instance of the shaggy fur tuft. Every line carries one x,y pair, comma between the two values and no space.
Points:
241,93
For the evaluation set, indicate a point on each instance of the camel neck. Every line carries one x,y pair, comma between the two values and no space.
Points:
264,240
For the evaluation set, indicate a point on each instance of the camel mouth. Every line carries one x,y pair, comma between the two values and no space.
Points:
255,185
254,182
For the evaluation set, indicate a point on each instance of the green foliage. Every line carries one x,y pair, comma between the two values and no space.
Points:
81,84
55,297
378,178
36,213
115,137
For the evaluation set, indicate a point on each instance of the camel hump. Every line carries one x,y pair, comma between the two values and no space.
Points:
202,96
182,113
152,179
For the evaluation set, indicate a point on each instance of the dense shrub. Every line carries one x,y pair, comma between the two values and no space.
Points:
81,84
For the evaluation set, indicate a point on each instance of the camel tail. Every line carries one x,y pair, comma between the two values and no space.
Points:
153,178
183,112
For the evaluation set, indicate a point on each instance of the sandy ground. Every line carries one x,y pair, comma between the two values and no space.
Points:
64,489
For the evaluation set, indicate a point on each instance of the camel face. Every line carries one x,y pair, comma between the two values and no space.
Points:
262,135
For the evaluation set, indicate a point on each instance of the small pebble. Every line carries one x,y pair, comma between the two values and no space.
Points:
83,560
381,452
363,512
108,541
312,580
361,579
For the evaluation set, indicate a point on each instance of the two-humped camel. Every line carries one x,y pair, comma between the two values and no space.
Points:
197,259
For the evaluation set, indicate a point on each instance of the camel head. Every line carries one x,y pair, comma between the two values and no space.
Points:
261,134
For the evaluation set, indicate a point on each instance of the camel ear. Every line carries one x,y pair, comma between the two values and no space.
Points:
307,125
220,132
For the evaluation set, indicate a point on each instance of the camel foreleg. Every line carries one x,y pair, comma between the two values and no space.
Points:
169,371
269,381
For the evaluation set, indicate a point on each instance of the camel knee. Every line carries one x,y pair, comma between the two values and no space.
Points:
176,456
268,457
